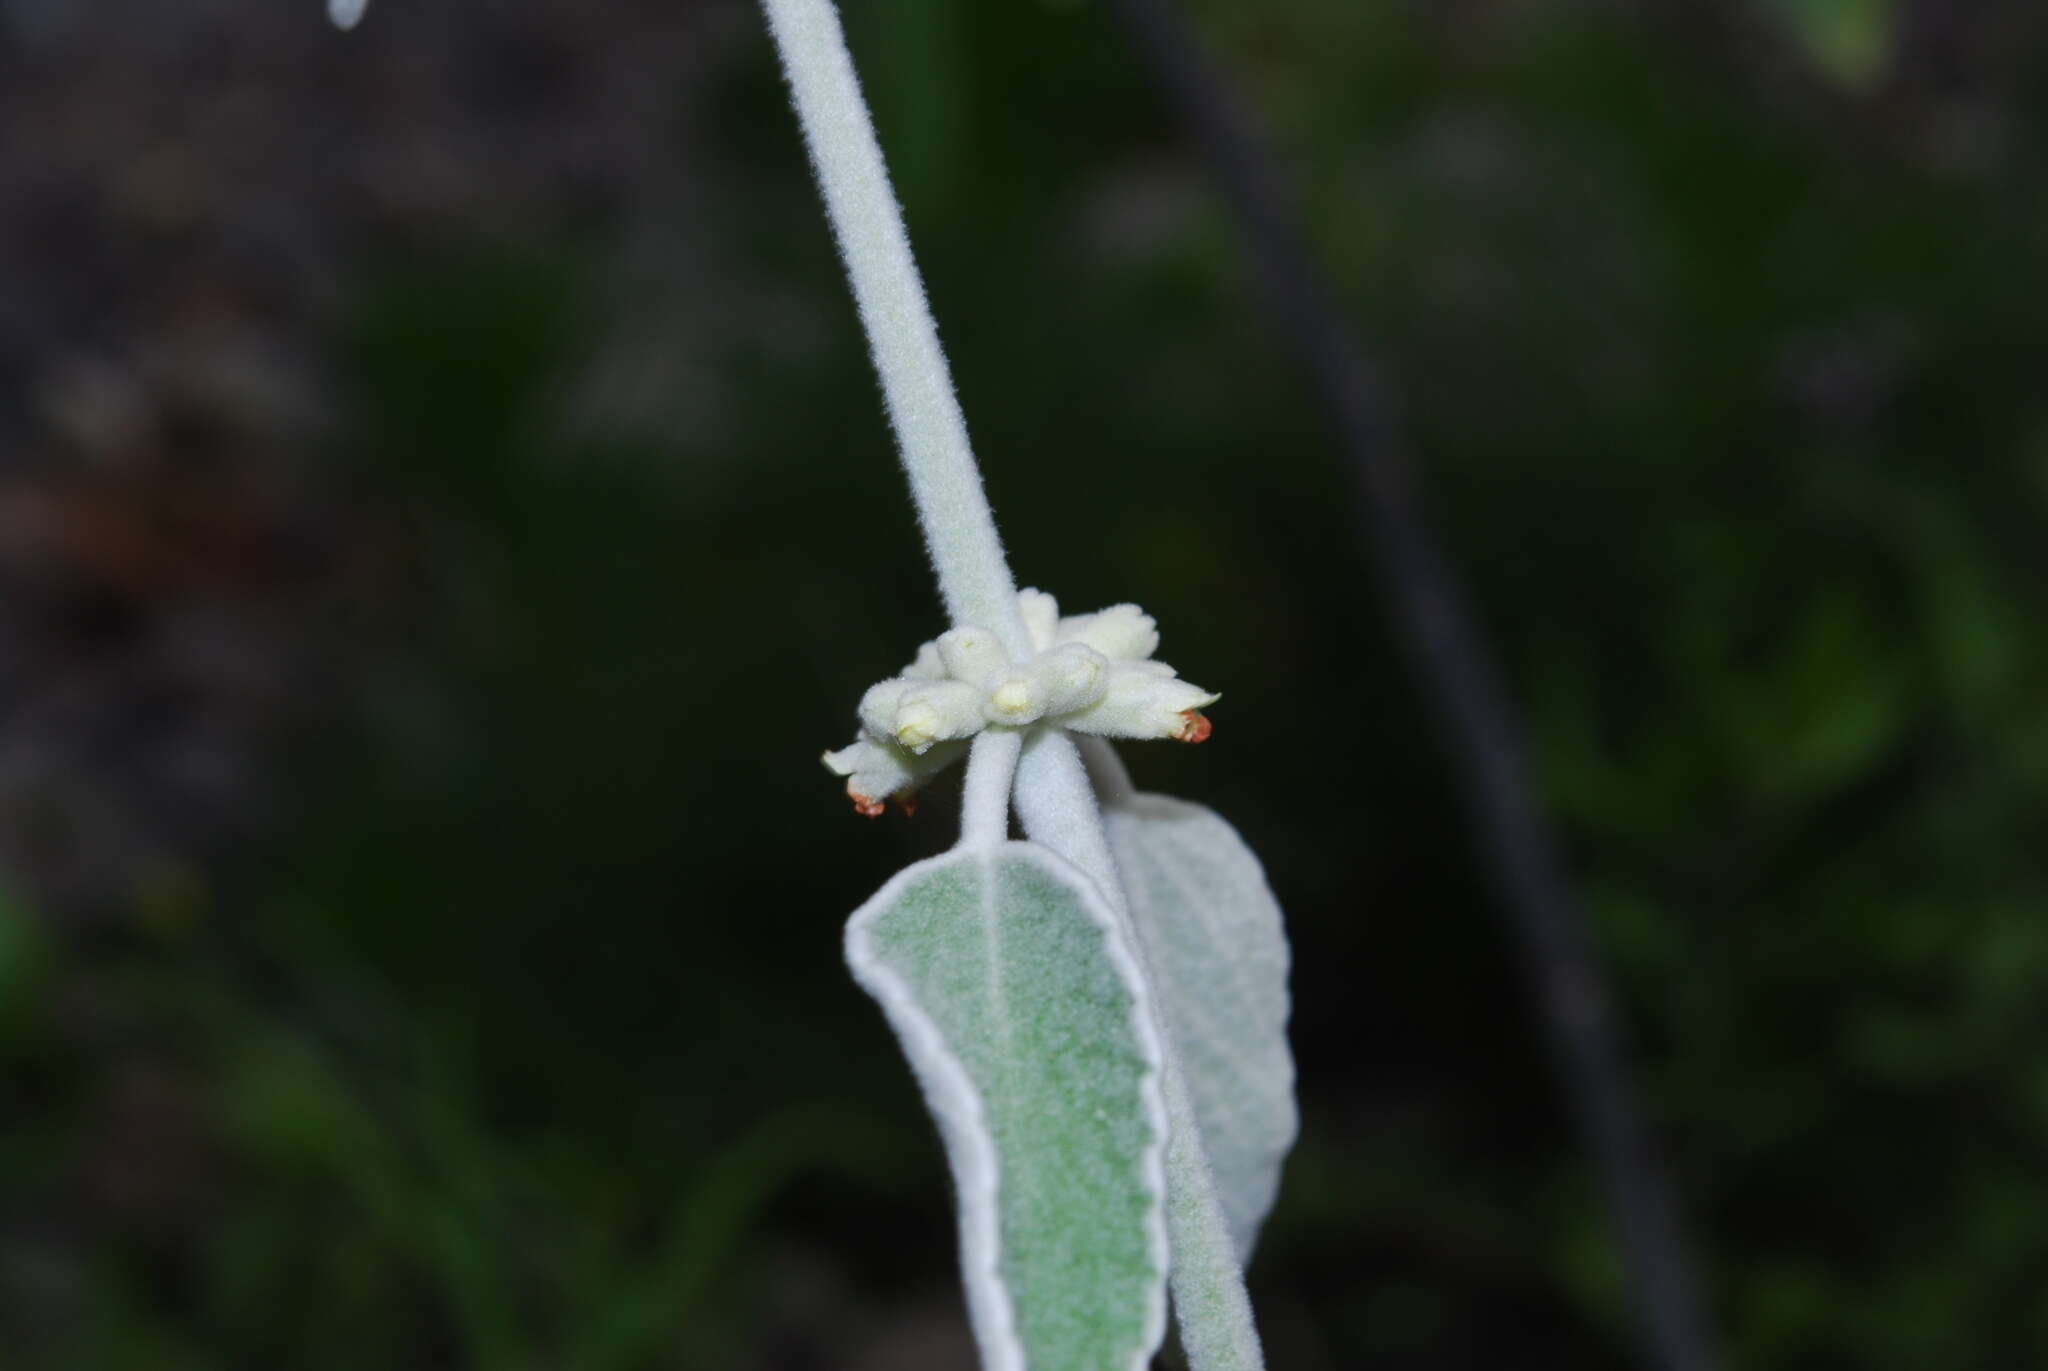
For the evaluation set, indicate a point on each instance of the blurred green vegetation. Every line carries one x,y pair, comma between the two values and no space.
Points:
528,1045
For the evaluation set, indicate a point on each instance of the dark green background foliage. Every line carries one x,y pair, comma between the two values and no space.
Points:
448,511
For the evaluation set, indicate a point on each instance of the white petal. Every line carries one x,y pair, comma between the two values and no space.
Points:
1157,670
1121,633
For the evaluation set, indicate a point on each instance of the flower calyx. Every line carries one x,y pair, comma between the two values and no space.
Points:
1092,673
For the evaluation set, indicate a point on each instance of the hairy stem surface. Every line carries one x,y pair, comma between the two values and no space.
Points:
1054,800
931,433
1056,806
985,803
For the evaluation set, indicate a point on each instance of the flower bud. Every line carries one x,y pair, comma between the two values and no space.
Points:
1093,673
1016,697
872,772
1041,615
1075,677
878,705
937,713
877,771
929,666
1141,704
971,654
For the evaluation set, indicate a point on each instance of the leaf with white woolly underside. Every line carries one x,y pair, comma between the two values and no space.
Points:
1025,1017
1216,942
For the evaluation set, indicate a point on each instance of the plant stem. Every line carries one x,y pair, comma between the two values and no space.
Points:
931,433
1475,716
985,804
1056,806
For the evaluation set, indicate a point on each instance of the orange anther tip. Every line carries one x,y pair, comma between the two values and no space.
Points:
1195,727
866,808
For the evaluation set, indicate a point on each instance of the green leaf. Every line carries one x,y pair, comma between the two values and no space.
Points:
1213,932
1023,1012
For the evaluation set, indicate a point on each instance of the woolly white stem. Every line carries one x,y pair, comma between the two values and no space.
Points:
1106,772
985,803
1057,809
931,434
1054,800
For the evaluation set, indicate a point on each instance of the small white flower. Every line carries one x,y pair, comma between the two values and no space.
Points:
1093,673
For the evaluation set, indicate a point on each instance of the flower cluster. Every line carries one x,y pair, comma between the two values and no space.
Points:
1093,673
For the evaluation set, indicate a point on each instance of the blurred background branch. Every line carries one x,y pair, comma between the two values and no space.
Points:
1457,674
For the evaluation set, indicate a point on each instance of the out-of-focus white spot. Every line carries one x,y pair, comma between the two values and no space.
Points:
345,13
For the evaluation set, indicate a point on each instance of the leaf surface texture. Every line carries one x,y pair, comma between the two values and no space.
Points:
1020,1006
